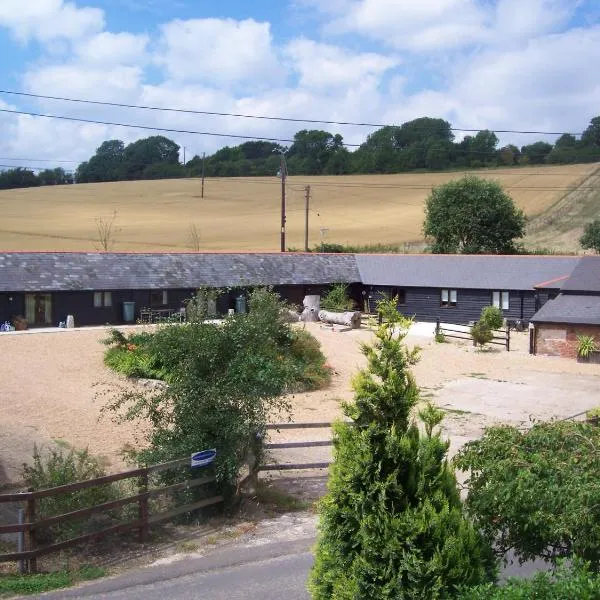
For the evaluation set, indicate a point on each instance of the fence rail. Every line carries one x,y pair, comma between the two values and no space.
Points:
32,525
501,337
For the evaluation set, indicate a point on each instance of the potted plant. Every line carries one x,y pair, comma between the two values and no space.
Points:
586,346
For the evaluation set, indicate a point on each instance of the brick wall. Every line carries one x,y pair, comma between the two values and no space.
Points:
559,339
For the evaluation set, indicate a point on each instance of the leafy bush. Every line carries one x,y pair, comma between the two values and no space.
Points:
337,299
392,524
305,352
62,465
536,492
492,316
440,338
45,582
224,381
481,333
566,583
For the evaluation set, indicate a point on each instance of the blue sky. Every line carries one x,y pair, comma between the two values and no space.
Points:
498,64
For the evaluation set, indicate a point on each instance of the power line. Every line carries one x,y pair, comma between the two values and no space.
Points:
149,128
263,117
52,160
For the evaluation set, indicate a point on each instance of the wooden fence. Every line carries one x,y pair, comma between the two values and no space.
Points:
501,336
32,525
254,468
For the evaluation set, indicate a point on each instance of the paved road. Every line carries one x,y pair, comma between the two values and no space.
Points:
269,572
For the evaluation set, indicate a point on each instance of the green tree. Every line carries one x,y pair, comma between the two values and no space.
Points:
591,236
17,178
105,165
591,136
391,524
536,153
536,492
472,216
140,155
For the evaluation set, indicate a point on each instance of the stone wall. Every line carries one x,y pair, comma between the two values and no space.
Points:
559,339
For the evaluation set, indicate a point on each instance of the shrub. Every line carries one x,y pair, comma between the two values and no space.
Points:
492,316
586,346
62,465
440,338
305,352
224,381
391,523
566,583
536,492
337,299
481,333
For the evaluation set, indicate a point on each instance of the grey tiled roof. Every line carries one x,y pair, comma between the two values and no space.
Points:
570,308
585,277
487,272
55,271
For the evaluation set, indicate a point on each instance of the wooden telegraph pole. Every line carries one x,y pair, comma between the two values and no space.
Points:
306,209
202,192
283,171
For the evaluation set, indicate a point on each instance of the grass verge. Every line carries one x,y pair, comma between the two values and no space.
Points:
13,585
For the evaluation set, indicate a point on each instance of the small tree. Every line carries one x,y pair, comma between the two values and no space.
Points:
473,216
337,299
106,232
492,316
391,523
591,236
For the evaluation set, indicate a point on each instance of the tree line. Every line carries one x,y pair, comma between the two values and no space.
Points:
23,178
426,144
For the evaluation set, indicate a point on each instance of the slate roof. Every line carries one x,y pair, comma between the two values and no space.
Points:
489,272
585,277
56,271
570,308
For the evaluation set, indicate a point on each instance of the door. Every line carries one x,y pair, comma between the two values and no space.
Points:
38,309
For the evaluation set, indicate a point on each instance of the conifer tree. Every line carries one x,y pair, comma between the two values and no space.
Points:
392,524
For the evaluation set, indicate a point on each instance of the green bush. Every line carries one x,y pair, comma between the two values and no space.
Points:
224,380
481,333
586,346
392,524
337,299
45,582
536,492
492,316
62,465
577,582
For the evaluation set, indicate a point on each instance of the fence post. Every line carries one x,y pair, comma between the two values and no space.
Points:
437,327
143,506
21,539
507,338
30,532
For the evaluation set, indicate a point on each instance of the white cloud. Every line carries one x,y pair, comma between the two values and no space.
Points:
221,51
48,20
422,25
324,66
113,48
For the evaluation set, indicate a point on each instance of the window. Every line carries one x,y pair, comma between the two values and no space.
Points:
449,298
398,293
501,300
158,298
102,299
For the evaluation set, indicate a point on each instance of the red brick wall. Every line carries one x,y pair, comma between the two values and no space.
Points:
558,339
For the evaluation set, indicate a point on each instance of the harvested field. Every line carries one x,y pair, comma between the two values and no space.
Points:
244,214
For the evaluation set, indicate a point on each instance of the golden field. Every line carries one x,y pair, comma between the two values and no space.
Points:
244,213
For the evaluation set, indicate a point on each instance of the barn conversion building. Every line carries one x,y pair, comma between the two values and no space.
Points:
97,287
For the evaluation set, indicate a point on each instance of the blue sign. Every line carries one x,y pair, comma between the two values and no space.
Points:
201,459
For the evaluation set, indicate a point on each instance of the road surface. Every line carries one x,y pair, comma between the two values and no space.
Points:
269,572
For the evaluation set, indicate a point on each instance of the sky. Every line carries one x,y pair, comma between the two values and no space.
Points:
480,64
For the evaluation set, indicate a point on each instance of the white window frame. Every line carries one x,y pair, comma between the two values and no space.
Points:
165,297
448,298
102,299
501,299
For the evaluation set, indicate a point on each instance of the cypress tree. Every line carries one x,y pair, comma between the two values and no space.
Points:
392,523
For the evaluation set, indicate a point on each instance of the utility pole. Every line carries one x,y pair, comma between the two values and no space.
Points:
306,209
283,171
203,157
184,156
